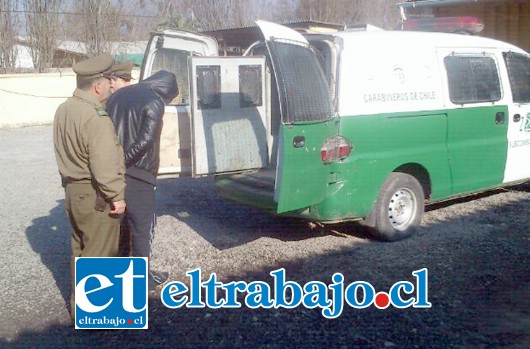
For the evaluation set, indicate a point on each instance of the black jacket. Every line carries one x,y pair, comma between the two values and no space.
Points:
137,112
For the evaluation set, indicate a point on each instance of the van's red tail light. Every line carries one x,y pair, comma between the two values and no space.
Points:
335,148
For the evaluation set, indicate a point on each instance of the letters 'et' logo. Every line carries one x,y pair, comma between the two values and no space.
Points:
110,293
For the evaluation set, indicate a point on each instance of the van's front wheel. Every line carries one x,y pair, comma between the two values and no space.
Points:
398,209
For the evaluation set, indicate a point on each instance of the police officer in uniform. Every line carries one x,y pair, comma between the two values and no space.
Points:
90,161
121,75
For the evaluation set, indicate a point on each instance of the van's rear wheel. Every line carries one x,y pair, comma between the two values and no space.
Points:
398,209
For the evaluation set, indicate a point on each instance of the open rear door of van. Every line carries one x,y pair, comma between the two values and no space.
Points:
169,50
307,118
230,114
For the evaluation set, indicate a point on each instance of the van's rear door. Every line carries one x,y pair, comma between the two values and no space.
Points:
230,114
170,50
307,118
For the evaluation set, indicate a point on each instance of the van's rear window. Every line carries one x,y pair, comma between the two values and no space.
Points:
304,91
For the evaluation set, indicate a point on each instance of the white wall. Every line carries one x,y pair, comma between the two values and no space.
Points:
31,99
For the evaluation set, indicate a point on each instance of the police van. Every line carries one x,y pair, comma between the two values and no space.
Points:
353,125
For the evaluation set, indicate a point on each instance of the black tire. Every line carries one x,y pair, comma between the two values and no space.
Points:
398,210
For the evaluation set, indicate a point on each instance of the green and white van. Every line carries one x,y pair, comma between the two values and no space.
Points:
353,125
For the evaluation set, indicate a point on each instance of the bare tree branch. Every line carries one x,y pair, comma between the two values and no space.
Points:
382,13
96,23
8,25
41,23
206,15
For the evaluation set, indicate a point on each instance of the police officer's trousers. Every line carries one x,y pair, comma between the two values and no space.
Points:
94,233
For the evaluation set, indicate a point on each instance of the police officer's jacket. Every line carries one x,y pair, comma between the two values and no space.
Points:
86,147
137,112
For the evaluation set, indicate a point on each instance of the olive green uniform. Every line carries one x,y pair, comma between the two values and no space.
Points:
90,161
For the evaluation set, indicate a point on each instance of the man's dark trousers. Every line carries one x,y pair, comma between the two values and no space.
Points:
140,217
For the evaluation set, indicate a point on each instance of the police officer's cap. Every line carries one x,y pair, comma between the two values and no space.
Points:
122,70
94,67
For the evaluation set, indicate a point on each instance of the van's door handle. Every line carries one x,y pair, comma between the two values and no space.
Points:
517,118
499,118
298,141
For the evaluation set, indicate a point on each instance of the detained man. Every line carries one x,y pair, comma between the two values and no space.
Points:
137,112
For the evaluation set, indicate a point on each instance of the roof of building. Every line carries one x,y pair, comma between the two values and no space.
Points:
243,37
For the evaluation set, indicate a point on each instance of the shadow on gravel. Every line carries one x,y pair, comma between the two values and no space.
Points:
192,202
525,187
49,236
478,287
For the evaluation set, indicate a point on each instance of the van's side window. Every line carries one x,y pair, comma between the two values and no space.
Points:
250,86
519,73
472,79
175,61
209,86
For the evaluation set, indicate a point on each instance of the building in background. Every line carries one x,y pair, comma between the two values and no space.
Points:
67,53
233,42
506,20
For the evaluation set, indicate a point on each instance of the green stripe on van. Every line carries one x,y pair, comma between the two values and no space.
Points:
453,151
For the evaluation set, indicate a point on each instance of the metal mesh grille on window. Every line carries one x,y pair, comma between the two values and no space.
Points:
250,86
209,87
519,73
175,61
304,91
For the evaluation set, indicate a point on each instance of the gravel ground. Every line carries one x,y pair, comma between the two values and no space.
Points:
476,252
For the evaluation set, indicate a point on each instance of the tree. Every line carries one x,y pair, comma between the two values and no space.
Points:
280,11
42,29
137,18
207,15
381,13
336,11
95,24
173,19
8,27
99,25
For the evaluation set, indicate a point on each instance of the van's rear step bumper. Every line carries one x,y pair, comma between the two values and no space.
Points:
251,188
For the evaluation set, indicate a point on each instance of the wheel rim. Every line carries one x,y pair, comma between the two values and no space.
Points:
402,208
